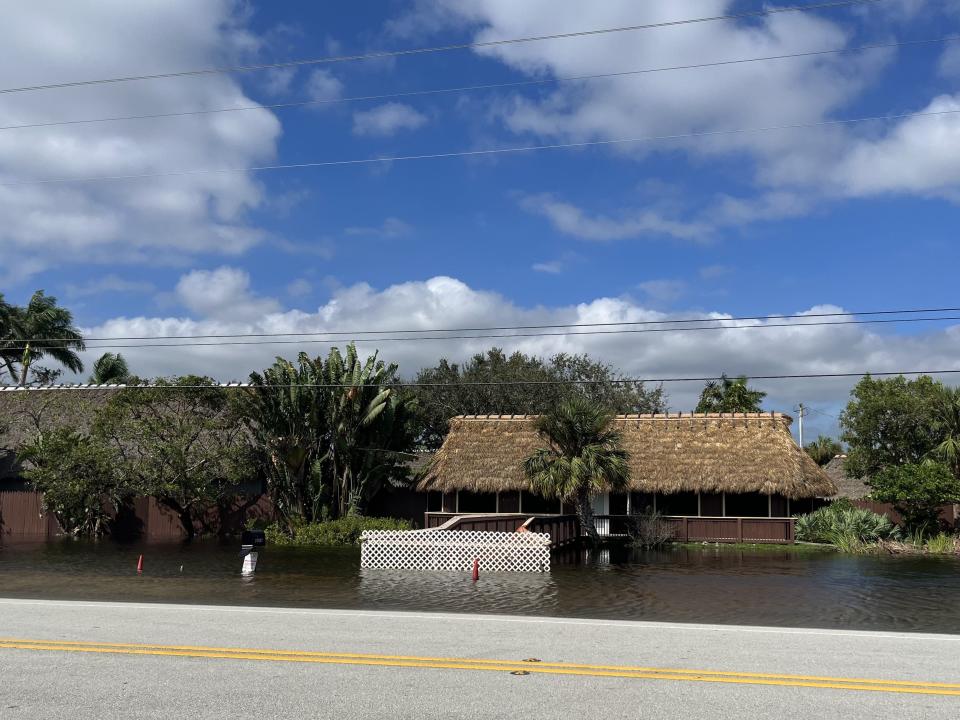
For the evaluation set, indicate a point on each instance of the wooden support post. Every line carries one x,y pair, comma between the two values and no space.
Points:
739,529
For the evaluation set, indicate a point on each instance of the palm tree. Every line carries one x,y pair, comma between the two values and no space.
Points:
823,449
584,456
946,412
729,396
110,369
39,330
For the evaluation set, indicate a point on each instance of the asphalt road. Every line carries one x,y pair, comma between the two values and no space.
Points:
110,660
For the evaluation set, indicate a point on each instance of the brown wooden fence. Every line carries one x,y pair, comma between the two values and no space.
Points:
22,517
712,529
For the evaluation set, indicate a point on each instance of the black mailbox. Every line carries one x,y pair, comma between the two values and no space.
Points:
253,538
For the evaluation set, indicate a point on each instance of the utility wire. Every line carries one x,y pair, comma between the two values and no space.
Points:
480,153
47,345
491,383
681,321
488,86
436,49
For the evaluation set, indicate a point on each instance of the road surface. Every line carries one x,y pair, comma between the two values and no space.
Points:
77,660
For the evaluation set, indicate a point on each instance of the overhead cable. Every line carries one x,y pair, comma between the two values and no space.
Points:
436,49
487,86
479,153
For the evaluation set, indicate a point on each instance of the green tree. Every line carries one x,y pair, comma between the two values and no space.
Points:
730,395
81,481
110,369
40,329
823,449
520,384
584,456
946,422
916,490
890,421
180,442
370,427
285,411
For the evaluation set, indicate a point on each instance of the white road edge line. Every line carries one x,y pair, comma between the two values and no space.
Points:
433,617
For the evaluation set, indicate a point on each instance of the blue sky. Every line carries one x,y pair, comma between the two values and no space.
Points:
856,217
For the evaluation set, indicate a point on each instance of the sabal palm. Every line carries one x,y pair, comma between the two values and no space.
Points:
729,395
584,456
40,329
110,368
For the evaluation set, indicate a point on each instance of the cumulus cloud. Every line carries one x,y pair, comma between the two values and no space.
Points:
299,288
223,294
445,302
387,119
166,220
324,85
108,284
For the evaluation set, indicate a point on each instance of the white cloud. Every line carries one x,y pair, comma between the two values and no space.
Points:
712,272
551,267
571,220
663,291
223,294
109,284
299,288
444,302
165,220
324,85
392,227
387,119
949,64
918,155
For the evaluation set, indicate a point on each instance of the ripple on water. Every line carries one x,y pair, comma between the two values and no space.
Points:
709,585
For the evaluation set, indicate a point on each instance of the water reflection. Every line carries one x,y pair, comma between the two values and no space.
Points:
709,584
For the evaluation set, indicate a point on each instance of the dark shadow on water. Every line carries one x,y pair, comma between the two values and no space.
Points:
707,585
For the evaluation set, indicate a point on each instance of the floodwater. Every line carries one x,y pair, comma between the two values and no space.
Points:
820,589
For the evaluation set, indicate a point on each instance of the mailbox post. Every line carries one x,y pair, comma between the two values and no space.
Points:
250,542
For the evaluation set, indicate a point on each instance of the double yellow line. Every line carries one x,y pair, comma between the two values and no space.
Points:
509,666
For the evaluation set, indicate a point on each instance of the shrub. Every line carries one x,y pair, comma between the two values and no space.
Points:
916,490
649,529
943,544
344,531
846,526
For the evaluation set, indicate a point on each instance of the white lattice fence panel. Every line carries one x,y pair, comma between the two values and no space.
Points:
455,550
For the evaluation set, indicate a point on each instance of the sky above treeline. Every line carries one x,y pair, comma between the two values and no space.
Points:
829,218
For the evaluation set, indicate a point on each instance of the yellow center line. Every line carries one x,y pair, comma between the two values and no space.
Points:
452,663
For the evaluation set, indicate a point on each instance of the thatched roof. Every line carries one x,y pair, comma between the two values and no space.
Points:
752,452
847,486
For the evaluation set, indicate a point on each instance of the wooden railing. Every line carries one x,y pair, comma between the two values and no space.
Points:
563,529
711,529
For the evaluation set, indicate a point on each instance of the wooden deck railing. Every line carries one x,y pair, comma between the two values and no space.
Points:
563,529
711,529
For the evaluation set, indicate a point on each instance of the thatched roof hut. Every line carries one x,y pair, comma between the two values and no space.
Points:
669,453
847,486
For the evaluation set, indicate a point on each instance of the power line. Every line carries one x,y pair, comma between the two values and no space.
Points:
488,86
491,383
479,153
680,321
436,49
46,345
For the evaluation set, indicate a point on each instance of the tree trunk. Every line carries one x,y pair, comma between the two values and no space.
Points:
585,515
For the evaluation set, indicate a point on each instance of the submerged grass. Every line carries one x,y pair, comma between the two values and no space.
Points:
342,532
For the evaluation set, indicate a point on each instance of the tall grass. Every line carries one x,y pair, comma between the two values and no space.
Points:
845,526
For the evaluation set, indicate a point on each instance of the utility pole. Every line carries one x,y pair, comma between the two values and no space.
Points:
801,414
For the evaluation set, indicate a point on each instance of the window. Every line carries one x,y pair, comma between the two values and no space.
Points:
747,505
536,504
681,503
470,502
711,504
778,506
618,503
509,502
640,502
